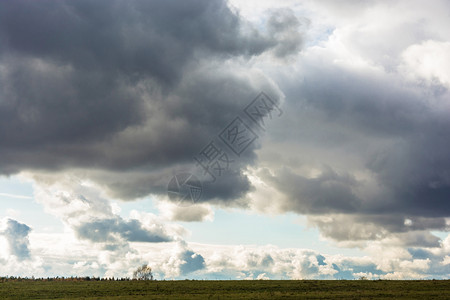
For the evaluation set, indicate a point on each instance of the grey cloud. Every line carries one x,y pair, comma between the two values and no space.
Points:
284,25
231,185
82,207
329,192
267,261
420,239
362,226
376,105
190,213
387,138
408,136
108,230
417,171
131,37
17,236
118,86
256,260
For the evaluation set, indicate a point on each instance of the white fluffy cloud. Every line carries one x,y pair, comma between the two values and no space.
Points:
70,256
83,207
429,62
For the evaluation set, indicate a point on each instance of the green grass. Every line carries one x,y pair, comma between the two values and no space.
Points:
258,289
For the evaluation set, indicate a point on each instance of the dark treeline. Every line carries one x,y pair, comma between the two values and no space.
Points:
72,278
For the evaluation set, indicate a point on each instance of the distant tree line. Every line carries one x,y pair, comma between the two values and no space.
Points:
144,272
72,278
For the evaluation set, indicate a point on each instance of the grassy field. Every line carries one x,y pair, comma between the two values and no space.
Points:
258,289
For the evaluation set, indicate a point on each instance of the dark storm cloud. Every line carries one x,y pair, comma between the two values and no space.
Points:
155,38
127,85
387,141
329,192
17,236
417,170
415,164
108,230
229,186
410,158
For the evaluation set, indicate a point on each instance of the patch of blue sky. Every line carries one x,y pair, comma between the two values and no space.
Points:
317,36
440,234
17,202
240,227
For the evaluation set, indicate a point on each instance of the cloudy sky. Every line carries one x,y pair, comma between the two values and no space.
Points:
317,134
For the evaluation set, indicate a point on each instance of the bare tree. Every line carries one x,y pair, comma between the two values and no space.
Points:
144,272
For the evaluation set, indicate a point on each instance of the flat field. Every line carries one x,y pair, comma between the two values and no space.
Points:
198,289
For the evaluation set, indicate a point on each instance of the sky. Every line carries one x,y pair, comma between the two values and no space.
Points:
215,139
